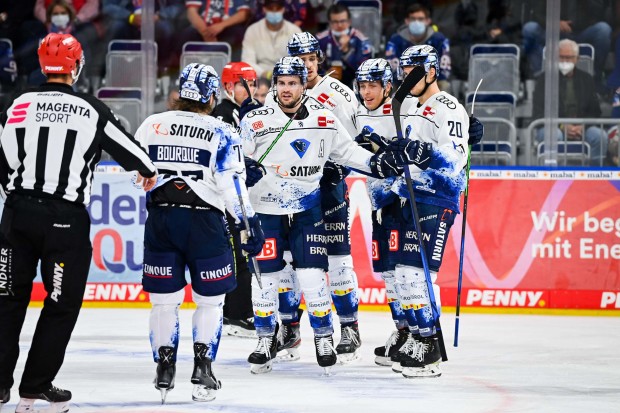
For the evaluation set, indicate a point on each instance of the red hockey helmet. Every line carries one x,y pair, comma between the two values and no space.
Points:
234,70
61,54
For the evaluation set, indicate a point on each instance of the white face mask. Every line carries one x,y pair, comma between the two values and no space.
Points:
60,20
417,28
338,34
566,67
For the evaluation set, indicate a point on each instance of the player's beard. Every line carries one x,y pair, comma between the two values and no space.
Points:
292,104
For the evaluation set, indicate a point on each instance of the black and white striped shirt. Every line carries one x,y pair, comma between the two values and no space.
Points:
51,139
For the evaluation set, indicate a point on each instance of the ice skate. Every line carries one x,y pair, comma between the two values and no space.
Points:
289,340
350,342
425,361
406,351
262,357
205,383
58,401
243,328
384,353
166,370
5,396
326,354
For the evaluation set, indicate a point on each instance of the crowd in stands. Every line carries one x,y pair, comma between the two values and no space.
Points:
258,31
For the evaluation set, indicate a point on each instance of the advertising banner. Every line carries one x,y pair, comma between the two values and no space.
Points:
534,239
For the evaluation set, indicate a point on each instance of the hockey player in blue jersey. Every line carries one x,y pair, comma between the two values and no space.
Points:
293,140
197,157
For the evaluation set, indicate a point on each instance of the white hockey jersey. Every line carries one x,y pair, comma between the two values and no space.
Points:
203,151
442,121
295,163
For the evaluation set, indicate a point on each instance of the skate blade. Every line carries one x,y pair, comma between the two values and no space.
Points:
201,393
27,406
327,372
383,361
236,331
164,394
346,358
396,367
288,354
260,368
430,371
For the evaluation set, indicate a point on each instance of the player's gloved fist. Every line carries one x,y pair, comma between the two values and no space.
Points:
383,165
333,174
253,244
370,140
476,131
248,105
254,172
409,152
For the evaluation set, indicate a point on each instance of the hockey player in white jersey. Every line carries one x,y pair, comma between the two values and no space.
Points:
437,119
340,100
197,157
293,141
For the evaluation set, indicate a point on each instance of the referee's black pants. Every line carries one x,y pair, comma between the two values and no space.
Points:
56,233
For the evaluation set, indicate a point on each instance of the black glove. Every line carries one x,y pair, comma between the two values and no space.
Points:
253,245
254,172
476,131
333,174
248,105
367,137
408,152
384,165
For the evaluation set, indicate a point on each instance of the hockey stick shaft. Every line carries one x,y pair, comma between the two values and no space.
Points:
303,102
457,319
409,82
244,216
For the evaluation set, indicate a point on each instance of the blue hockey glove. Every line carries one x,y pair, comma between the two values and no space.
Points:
409,152
253,244
248,105
384,165
371,141
333,174
476,131
254,172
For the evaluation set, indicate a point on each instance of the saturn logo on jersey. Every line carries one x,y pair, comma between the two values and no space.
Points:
300,146
216,275
160,129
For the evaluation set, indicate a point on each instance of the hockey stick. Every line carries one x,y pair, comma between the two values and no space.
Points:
462,257
248,229
409,82
303,102
247,88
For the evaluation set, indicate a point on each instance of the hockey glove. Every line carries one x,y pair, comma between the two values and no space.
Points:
384,165
409,152
333,174
371,141
253,244
248,105
254,172
476,131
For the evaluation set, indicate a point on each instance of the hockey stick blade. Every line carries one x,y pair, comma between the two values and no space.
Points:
409,82
257,273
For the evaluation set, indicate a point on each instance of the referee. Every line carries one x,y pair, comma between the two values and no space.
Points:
51,138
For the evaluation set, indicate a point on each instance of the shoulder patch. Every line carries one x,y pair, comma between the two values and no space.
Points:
387,109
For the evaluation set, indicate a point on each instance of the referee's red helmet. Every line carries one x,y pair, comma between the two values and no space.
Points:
61,54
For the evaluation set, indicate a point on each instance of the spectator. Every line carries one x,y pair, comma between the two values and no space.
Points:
217,21
265,41
295,11
85,10
577,99
124,21
417,30
582,21
345,47
262,89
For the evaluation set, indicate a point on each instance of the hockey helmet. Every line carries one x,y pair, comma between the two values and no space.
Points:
303,43
290,66
420,55
198,82
235,70
373,70
61,54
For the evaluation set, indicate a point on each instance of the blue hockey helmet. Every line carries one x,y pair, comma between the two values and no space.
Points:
199,82
290,66
421,55
374,70
303,43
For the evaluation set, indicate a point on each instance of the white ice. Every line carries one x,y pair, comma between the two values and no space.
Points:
504,363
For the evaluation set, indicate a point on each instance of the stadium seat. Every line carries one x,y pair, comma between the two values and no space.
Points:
216,54
493,104
499,144
124,63
366,17
569,153
497,64
126,104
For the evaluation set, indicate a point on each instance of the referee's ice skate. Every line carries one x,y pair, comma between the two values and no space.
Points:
58,401
240,328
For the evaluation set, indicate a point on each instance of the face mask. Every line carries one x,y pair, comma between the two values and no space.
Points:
566,67
60,20
274,17
417,28
338,34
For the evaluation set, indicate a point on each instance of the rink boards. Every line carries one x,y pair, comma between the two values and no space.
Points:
535,240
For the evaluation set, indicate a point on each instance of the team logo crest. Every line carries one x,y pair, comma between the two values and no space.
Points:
300,146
